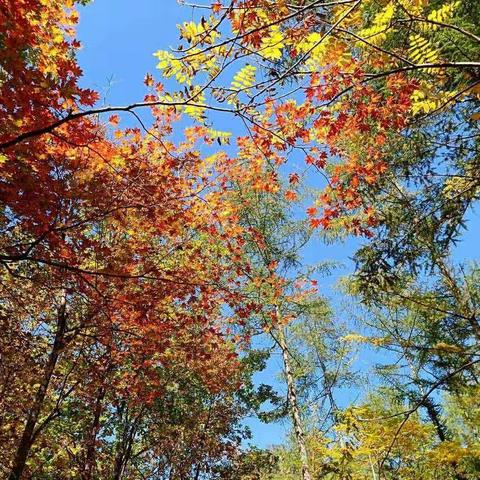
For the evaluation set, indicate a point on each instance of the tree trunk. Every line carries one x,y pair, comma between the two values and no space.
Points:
92,437
434,416
123,456
293,406
125,445
441,429
28,435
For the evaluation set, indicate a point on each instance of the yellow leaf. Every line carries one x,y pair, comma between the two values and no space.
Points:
377,33
272,44
244,78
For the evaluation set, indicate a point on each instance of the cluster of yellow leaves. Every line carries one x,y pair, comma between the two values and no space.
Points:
448,452
244,79
170,66
465,183
427,98
443,347
351,18
272,44
377,33
354,338
184,71
421,50
441,15
202,32
366,434
195,110
375,341
220,135
414,7
316,46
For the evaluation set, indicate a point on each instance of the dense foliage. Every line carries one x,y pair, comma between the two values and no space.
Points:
143,281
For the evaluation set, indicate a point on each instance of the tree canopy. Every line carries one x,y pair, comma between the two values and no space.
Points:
151,267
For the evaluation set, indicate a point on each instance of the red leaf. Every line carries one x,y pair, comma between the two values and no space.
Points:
148,80
312,211
216,7
290,195
114,120
293,178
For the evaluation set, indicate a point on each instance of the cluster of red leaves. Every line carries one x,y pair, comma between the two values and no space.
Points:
139,239
249,18
347,141
355,133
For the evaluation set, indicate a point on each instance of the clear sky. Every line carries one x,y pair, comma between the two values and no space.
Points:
119,38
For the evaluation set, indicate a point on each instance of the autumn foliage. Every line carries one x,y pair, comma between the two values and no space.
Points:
135,268
118,255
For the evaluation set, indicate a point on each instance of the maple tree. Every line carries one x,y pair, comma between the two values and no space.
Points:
118,258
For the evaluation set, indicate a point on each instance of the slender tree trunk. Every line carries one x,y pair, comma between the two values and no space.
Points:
123,455
441,429
28,434
120,447
119,465
372,467
124,447
432,413
293,406
92,437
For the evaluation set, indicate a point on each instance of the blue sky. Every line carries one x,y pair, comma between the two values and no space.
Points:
119,38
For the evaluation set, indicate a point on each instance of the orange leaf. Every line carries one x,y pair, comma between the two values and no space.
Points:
312,211
114,120
290,195
293,178
148,80
216,7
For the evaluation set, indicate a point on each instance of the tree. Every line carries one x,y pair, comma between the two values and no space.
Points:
294,319
119,257
135,269
389,108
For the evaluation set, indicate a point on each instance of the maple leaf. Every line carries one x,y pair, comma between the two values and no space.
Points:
293,178
114,120
148,80
88,97
216,7
312,211
291,195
